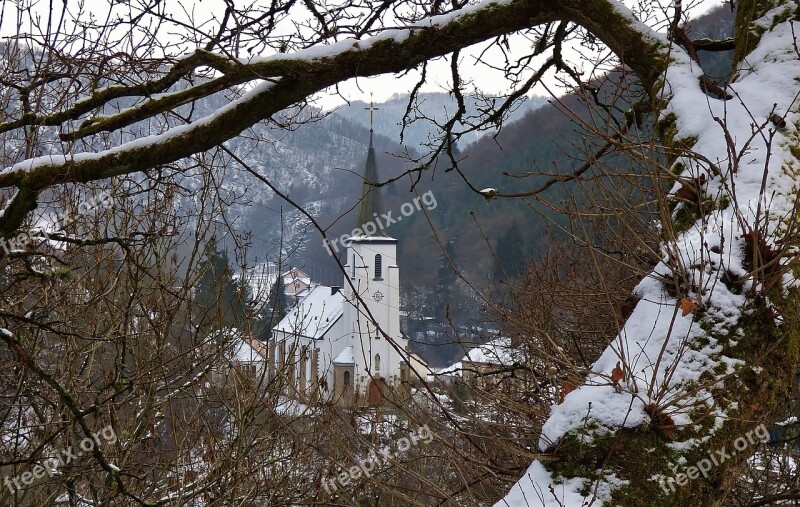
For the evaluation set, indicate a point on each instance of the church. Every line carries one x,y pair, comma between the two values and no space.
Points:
344,344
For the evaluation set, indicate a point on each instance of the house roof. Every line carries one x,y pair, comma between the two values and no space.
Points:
314,315
453,369
361,238
295,274
249,351
345,357
498,351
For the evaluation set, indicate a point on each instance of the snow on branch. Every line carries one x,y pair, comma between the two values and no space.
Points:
729,262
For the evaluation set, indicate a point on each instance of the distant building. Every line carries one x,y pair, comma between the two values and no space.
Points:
260,279
296,285
345,344
249,357
483,366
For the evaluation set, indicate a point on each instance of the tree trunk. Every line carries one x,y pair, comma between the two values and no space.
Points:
705,363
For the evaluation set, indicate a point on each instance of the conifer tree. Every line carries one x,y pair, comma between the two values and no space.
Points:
275,311
219,300
510,254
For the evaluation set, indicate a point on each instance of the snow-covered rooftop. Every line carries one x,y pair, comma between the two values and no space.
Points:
453,369
248,351
377,239
498,352
314,314
345,357
296,274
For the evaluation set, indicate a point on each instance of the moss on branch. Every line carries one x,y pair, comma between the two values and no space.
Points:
300,78
643,454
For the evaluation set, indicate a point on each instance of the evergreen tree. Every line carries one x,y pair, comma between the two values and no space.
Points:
219,300
446,282
275,311
510,254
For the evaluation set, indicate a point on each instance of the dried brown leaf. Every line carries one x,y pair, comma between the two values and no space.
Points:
687,306
565,390
617,374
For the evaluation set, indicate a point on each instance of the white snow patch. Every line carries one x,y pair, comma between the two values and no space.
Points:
658,345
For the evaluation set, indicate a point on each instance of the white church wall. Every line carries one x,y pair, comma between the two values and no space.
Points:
334,342
379,293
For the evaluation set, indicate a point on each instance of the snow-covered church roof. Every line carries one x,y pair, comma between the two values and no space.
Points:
346,357
314,314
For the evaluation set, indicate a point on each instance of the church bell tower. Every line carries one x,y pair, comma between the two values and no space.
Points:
372,288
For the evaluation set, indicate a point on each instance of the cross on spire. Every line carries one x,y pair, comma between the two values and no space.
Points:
371,110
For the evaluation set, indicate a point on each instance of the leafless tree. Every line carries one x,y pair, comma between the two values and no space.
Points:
97,309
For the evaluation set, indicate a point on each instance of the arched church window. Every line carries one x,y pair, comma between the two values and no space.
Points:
378,266
377,362
347,379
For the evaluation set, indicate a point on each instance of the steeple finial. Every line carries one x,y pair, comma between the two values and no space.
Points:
371,110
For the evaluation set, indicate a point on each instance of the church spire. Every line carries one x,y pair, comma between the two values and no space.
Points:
370,195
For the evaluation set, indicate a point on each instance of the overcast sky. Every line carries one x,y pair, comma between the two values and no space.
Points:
481,76
199,12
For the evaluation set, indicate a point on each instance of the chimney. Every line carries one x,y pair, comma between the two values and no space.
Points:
335,289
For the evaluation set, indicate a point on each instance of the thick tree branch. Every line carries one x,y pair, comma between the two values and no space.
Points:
311,71
101,97
713,45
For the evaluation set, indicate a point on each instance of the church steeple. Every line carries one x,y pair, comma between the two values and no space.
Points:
372,288
371,202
